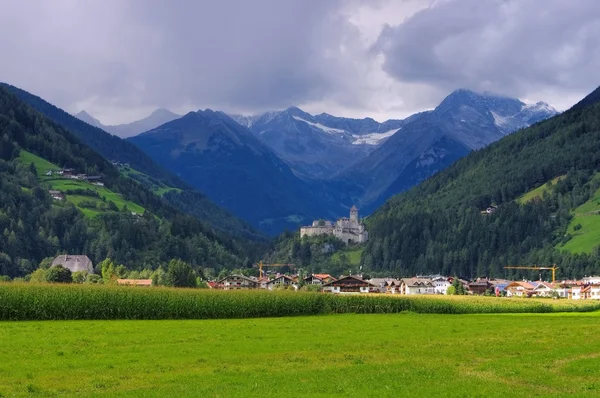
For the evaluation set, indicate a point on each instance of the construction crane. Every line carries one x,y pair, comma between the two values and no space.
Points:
553,269
261,265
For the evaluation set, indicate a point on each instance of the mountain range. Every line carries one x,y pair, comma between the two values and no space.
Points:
282,169
366,162
220,157
155,119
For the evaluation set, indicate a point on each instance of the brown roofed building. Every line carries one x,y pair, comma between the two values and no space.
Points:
349,284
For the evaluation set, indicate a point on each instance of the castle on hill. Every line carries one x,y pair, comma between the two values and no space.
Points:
349,230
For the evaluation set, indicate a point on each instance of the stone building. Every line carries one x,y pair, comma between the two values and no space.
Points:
349,230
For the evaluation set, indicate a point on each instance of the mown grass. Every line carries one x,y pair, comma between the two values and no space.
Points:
336,355
154,185
585,227
538,192
72,302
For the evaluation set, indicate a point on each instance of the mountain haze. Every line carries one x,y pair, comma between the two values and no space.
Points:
147,171
155,119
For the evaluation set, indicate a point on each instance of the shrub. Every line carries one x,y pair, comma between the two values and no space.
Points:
59,274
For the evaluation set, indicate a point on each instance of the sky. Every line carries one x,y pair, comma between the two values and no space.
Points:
121,59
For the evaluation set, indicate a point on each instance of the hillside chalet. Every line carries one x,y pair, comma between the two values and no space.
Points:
233,282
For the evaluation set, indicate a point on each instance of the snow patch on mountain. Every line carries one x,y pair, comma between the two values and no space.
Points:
373,138
328,130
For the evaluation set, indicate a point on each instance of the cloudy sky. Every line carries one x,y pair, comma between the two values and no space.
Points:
121,59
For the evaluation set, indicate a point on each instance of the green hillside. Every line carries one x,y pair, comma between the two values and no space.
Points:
144,170
438,225
35,226
584,228
538,193
94,203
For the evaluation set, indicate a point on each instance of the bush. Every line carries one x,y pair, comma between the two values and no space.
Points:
59,274
180,274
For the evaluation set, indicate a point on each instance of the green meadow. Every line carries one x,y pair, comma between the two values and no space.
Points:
64,184
585,226
542,355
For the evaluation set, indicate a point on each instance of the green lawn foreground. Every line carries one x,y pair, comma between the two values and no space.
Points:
334,355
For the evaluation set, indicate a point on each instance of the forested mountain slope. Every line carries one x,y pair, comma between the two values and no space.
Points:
111,147
33,228
438,226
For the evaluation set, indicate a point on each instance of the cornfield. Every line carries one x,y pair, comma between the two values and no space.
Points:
72,302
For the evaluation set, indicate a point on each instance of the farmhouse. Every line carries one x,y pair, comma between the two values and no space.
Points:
56,195
232,282
348,284
74,263
282,280
479,286
440,282
134,282
410,286
543,289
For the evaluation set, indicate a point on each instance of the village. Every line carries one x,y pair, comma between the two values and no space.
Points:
582,289
585,288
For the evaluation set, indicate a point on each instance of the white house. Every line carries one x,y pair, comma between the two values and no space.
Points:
411,286
282,280
440,285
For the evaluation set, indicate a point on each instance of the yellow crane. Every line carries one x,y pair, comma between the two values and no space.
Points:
553,269
261,265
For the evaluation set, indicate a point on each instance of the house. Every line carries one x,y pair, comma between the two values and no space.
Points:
74,263
56,195
543,289
519,289
411,286
591,280
479,286
581,292
233,282
392,286
134,282
49,173
440,282
318,279
282,280
380,285
348,285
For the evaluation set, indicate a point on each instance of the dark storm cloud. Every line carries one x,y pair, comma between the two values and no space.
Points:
120,59
514,47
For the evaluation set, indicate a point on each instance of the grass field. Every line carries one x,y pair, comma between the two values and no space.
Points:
587,236
352,255
539,191
335,355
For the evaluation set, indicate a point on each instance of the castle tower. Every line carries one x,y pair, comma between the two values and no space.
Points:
354,214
